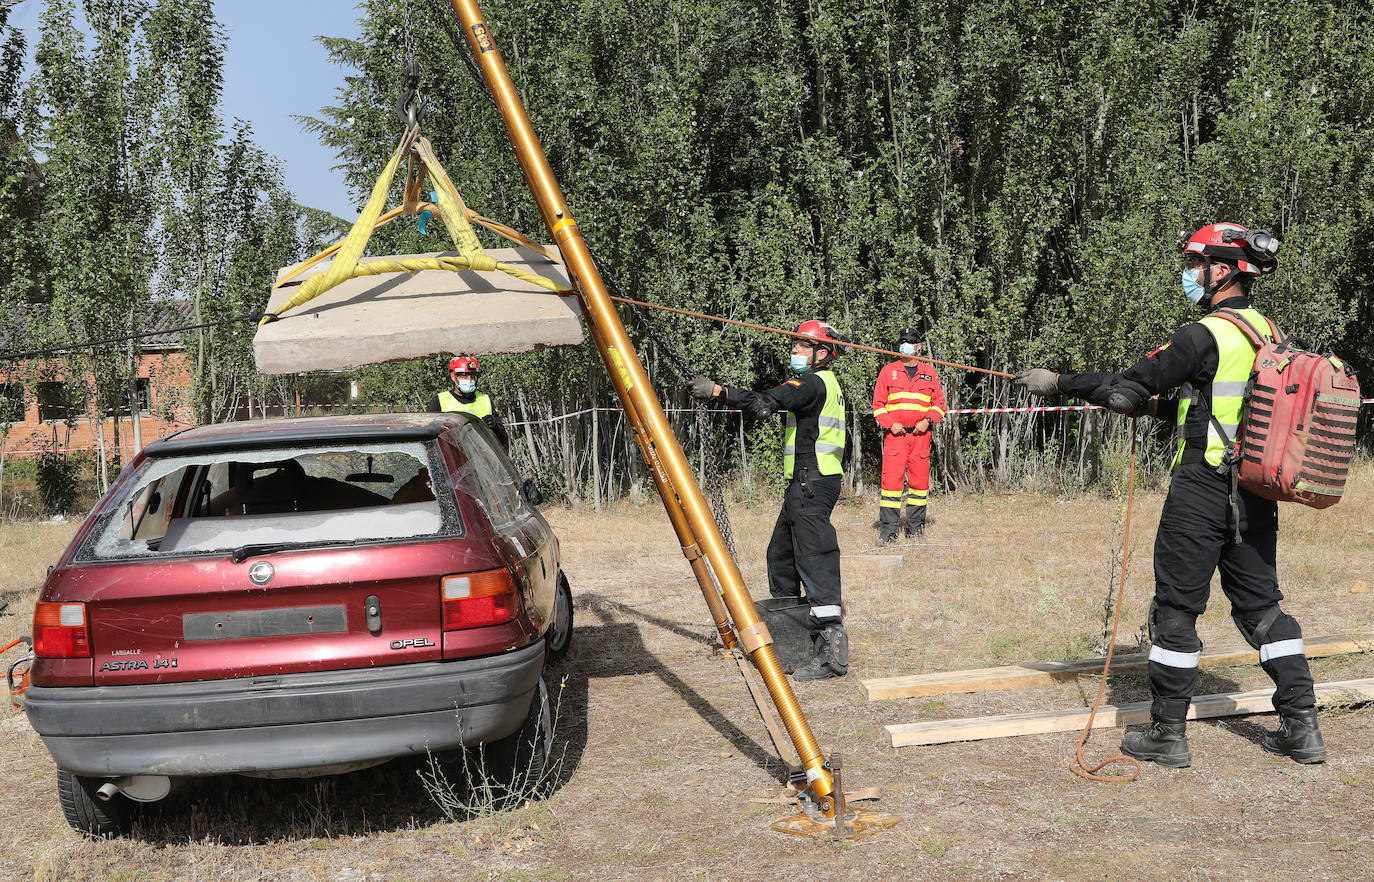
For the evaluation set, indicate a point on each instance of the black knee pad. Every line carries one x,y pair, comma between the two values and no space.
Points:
1172,628
1261,626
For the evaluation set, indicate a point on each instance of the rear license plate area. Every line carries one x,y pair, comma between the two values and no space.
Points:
249,624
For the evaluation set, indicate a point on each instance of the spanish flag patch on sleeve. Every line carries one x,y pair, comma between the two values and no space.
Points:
792,383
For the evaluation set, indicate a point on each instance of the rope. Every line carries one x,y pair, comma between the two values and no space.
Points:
91,344
828,340
1076,764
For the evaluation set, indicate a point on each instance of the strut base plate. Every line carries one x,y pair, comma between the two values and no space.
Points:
858,824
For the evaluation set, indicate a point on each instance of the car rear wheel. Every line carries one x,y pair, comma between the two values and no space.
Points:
560,635
89,814
517,765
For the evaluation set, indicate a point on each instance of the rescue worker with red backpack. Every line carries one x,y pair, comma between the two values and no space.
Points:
804,549
908,401
1200,375
465,398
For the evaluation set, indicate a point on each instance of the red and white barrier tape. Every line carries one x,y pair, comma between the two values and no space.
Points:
1023,409
967,411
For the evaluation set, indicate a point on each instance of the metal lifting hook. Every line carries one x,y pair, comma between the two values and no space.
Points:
410,106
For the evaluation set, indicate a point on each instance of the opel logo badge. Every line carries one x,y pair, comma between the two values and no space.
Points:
261,573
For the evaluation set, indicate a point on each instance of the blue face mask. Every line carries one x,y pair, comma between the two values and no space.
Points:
1192,289
800,363
467,386
907,349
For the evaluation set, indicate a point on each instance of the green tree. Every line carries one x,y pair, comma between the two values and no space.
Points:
1010,175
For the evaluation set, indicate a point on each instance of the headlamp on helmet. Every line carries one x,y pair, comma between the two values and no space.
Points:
463,364
1254,252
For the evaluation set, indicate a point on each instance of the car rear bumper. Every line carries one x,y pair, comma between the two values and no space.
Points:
292,721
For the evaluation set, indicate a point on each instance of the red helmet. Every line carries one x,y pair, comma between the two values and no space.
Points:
820,329
1251,251
817,328
463,364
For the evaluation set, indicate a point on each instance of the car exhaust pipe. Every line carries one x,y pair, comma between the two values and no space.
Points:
139,788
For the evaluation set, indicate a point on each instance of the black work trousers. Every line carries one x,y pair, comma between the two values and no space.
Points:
804,549
1196,538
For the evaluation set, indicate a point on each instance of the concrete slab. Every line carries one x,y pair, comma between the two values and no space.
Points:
396,316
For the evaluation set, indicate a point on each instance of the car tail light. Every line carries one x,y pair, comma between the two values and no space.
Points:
60,630
475,599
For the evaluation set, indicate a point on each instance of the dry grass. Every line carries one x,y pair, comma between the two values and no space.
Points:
663,750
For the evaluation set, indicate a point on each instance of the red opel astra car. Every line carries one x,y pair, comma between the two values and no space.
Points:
297,597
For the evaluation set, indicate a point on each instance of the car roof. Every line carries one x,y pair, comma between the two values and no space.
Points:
306,432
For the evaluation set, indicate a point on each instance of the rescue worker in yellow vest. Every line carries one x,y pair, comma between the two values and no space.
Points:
466,399
804,550
1200,375
908,401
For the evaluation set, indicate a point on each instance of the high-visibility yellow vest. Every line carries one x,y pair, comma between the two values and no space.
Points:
830,436
480,406
1236,358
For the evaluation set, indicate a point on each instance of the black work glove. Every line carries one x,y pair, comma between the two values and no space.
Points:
703,388
1038,381
759,407
1124,397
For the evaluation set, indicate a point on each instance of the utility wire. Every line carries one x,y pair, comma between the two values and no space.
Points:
91,344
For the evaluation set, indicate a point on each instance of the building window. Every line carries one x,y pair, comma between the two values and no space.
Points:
11,402
60,401
117,399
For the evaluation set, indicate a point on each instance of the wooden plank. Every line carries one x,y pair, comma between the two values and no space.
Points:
1203,707
1022,676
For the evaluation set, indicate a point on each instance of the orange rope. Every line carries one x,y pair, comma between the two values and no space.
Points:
1076,764
794,334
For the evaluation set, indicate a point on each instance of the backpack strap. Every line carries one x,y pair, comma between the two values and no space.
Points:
1230,459
1251,334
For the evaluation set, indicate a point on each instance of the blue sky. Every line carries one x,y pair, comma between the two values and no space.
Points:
272,70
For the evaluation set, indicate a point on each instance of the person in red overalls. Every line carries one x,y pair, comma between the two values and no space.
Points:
907,402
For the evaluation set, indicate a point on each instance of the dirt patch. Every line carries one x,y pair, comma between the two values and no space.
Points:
666,767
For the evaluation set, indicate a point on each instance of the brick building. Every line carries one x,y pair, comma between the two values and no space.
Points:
44,409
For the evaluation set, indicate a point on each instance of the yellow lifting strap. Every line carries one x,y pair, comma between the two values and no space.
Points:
450,208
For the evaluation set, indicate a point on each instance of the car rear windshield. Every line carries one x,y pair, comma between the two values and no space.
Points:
216,502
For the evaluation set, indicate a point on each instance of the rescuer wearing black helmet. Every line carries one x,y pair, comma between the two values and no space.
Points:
804,549
908,401
1200,375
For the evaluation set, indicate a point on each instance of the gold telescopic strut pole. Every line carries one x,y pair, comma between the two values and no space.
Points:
669,466
690,549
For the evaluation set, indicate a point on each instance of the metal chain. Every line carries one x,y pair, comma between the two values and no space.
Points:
446,19
407,33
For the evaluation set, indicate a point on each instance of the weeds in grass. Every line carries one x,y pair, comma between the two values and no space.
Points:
1005,645
1050,600
484,790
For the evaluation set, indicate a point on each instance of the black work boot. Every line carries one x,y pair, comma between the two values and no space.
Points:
1298,737
888,521
831,658
916,522
1165,743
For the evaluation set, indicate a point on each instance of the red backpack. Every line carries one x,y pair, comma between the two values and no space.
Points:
1297,430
